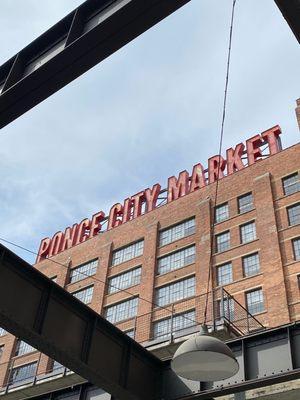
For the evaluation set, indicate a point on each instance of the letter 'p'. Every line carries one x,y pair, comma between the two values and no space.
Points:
43,250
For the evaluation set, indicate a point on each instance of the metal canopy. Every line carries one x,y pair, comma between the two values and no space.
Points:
39,311
290,9
43,314
82,39
85,37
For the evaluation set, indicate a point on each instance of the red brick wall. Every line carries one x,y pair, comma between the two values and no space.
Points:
278,276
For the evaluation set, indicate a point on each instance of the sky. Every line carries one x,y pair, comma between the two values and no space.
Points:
147,112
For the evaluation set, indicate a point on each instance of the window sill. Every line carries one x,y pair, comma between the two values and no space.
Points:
239,280
235,247
173,270
234,216
177,240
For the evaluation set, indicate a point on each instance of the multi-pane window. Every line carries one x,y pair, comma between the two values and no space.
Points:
23,348
127,253
224,274
221,212
223,241
248,232
245,203
294,214
255,301
57,367
163,328
291,184
176,260
121,311
124,280
177,232
130,333
251,264
2,332
85,295
296,248
22,373
226,309
175,291
83,271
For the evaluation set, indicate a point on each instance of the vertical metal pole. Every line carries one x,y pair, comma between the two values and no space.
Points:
37,368
222,314
134,328
248,325
172,318
9,375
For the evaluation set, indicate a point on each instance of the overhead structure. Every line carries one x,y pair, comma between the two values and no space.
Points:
85,37
82,39
53,321
290,9
99,352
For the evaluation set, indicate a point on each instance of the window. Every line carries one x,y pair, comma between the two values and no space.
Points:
175,291
255,301
162,329
83,271
224,274
2,332
23,348
177,232
130,333
1,351
121,311
85,295
245,203
296,248
125,280
251,264
228,309
222,241
291,184
294,214
248,232
127,253
176,260
57,367
22,373
221,212
96,394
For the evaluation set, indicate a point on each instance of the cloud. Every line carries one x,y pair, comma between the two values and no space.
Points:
147,112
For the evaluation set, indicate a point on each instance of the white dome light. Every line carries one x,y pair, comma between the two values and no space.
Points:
204,358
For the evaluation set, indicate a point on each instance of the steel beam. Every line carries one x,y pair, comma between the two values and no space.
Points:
266,358
42,313
82,39
290,9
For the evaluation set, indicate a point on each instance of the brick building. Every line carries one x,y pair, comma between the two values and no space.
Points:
149,276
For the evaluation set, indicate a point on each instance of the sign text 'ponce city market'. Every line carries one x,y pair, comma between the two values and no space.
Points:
146,200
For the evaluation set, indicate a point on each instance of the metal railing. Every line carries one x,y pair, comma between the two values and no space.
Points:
185,317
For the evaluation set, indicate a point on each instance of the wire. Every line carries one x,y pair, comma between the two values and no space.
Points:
95,279
219,166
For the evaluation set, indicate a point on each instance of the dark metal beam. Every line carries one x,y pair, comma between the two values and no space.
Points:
82,39
266,358
290,9
42,313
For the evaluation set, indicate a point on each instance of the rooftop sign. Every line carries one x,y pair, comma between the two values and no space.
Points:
147,200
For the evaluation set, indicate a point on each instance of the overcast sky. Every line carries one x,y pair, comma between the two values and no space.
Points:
147,112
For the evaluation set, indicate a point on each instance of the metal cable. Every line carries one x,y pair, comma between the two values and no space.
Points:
209,278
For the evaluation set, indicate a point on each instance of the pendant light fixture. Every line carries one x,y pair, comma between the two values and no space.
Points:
204,357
